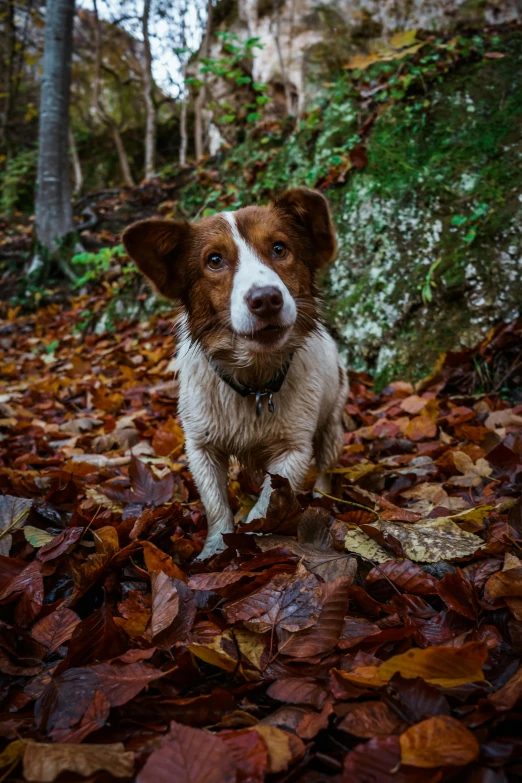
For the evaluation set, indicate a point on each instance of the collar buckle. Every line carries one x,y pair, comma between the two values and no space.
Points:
259,401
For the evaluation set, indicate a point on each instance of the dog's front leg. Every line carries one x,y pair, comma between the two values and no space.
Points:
293,465
209,469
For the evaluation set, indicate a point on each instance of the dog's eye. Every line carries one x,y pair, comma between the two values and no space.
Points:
215,261
279,250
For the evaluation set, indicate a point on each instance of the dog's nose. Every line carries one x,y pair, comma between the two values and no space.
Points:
265,302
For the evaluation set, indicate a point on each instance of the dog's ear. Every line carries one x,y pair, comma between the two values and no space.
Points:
157,248
310,211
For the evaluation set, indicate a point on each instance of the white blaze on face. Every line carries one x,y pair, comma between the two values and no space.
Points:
252,273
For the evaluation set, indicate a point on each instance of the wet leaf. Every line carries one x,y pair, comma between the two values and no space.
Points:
371,719
289,601
55,629
43,763
195,755
438,741
165,602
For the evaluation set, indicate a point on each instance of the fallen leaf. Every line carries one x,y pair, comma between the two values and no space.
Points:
510,693
371,719
324,634
165,602
406,575
315,546
288,601
196,756
55,629
445,666
438,741
474,474
43,763
13,514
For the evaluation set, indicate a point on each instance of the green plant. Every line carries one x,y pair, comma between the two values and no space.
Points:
97,264
17,182
427,286
230,66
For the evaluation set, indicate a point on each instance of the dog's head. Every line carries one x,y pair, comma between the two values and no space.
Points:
245,278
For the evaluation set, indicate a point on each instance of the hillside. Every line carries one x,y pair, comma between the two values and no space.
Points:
418,150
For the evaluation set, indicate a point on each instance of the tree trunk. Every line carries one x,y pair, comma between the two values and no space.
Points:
8,54
53,200
76,165
277,38
199,103
150,109
122,156
183,130
97,60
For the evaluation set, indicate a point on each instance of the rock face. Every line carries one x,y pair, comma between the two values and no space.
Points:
294,34
427,196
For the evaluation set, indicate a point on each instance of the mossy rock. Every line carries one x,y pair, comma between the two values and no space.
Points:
437,211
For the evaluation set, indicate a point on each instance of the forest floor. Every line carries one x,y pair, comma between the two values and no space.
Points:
370,636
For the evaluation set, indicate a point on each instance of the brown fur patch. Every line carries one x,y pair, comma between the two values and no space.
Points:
174,257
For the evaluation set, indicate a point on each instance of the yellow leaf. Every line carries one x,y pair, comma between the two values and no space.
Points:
359,543
406,38
472,519
438,741
445,666
37,537
44,762
10,757
278,743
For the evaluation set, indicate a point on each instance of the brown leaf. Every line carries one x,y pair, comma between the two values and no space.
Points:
420,427
356,630
145,489
288,601
505,583
97,638
459,594
60,544
406,575
283,512
301,690
157,560
121,682
165,602
176,632
218,580
313,722
474,474
196,756
510,693
315,547
65,700
379,761
371,719
43,763
324,634
414,700
55,629
438,741
249,751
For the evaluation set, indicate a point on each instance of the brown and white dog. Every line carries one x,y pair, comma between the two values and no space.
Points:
260,378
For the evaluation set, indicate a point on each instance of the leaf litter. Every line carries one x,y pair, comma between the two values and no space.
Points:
374,634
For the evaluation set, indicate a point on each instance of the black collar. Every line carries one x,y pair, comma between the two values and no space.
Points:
268,390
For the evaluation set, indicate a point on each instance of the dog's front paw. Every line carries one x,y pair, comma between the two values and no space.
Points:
214,544
257,512
323,485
